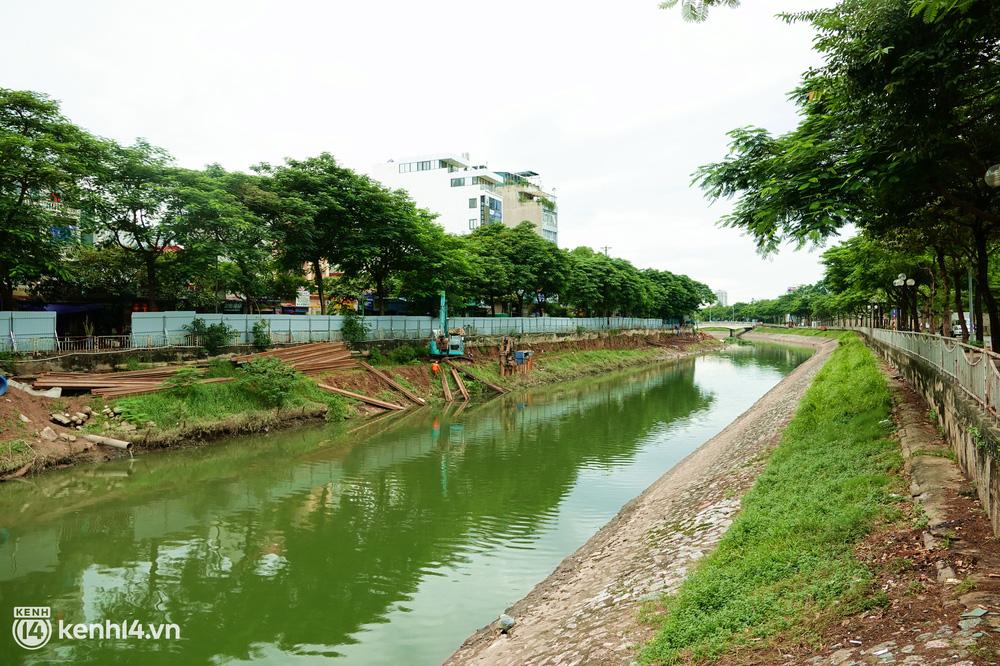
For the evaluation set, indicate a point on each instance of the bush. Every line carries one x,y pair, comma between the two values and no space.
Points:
375,356
213,338
269,379
260,336
405,354
353,329
183,381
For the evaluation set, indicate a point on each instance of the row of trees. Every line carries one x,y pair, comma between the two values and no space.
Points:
175,236
897,130
861,286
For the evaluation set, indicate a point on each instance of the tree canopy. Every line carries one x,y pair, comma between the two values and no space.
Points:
178,237
896,131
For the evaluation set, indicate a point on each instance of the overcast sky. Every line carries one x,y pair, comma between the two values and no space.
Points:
615,103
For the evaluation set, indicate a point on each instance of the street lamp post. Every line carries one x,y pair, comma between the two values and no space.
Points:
905,284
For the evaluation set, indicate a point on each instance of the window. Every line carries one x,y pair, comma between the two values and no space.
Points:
473,203
473,223
424,166
457,182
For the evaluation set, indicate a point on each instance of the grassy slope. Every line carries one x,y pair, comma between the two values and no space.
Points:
209,403
789,551
781,330
564,365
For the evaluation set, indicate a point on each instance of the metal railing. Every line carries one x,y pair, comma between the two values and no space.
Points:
975,370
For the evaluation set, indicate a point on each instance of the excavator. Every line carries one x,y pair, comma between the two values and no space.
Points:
444,344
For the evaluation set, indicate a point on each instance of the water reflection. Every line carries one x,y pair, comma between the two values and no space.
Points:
383,543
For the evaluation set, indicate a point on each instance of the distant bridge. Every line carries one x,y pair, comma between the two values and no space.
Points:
736,328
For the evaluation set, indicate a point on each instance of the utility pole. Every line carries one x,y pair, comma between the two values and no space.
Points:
606,248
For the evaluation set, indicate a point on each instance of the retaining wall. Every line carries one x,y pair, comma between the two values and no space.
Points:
973,434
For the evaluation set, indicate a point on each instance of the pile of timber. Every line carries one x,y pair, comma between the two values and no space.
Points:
113,384
308,358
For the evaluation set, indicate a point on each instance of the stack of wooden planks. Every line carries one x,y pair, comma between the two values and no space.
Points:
114,384
309,358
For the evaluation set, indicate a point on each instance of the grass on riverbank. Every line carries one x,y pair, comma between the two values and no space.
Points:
14,453
782,330
208,403
557,366
789,553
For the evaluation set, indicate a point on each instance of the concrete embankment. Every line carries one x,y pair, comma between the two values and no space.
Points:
585,611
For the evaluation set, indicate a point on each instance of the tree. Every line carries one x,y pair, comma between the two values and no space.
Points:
43,158
313,210
897,130
697,10
388,238
929,10
137,204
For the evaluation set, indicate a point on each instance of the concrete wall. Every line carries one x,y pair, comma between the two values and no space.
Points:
972,433
27,331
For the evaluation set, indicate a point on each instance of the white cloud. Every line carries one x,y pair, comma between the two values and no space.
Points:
615,103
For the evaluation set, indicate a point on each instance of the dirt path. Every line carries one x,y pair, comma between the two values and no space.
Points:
585,611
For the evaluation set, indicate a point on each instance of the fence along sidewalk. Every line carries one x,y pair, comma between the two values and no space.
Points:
975,370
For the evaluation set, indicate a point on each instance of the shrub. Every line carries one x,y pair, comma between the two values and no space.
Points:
183,381
405,354
269,379
213,338
260,335
375,356
353,329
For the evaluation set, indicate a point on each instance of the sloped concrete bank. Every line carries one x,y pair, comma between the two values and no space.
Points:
586,610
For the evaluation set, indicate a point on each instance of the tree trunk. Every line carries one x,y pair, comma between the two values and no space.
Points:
318,278
380,294
945,293
7,294
983,294
957,277
977,313
152,281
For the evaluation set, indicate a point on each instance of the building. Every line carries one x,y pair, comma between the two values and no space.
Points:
462,193
465,194
721,298
525,200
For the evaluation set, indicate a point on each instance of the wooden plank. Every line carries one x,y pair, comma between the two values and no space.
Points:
393,383
363,398
468,373
447,389
461,386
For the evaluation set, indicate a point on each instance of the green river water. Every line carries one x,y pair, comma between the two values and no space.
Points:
378,543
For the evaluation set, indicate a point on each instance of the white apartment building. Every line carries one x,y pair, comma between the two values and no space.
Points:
462,193
721,298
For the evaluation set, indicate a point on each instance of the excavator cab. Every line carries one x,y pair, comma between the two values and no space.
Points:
443,345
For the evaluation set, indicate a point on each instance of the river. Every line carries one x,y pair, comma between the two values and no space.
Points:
381,543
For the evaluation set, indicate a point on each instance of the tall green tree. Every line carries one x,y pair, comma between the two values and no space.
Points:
897,130
43,159
136,196
314,208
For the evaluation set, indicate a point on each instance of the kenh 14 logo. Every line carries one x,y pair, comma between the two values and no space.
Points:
32,626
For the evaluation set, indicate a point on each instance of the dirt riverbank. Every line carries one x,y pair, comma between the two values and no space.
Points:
586,611
555,362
